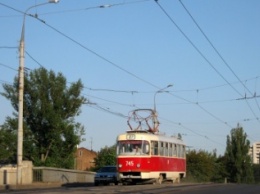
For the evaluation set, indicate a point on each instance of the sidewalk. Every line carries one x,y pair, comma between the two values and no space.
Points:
30,186
41,185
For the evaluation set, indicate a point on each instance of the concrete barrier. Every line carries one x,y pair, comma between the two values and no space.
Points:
8,173
59,175
32,174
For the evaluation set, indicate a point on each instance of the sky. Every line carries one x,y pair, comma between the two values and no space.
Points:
125,51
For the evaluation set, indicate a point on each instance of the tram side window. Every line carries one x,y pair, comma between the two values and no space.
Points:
161,149
178,151
154,147
183,152
166,149
170,149
174,150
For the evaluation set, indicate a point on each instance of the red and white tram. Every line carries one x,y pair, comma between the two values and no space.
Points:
145,155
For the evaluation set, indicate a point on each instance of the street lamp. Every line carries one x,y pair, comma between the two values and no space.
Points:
20,98
154,112
160,91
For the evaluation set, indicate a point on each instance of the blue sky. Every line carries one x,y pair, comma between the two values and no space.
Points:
126,52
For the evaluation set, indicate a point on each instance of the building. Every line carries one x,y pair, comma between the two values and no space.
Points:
84,159
254,152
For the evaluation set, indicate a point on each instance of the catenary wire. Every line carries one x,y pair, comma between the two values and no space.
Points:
100,56
7,66
126,71
195,47
202,55
95,7
220,56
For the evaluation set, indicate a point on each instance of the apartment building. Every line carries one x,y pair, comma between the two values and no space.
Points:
254,152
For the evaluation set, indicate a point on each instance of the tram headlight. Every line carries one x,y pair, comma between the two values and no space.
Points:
138,165
120,165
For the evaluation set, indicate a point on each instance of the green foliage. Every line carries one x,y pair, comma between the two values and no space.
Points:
8,141
50,107
203,166
256,169
106,156
219,170
238,162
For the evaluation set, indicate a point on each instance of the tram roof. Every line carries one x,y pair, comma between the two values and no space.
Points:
151,136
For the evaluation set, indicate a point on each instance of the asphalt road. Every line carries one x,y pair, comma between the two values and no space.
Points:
145,189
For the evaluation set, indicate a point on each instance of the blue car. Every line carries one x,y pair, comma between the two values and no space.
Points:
106,175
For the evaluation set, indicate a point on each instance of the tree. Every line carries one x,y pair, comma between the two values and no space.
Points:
238,162
256,169
220,173
106,156
201,165
50,107
7,143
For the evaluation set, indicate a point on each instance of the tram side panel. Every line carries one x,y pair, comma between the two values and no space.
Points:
150,167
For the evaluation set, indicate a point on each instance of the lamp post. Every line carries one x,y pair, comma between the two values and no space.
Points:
20,98
154,113
159,91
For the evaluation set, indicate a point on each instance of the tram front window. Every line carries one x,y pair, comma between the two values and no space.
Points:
133,147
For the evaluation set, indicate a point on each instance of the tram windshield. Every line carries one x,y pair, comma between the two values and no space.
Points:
133,147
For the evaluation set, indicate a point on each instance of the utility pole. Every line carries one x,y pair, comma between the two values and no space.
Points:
20,97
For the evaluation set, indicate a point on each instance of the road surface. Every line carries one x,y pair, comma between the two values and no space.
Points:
144,189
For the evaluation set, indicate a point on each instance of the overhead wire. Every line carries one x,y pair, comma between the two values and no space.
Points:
9,67
211,44
195,47
110,101
34,60
95,7
203,56
175,91
84,47
110,62
11,8
215,49
188,129
205,110
176,123
220,56
113,112
110,90
126,71
8,47
98,55
107,110
216,86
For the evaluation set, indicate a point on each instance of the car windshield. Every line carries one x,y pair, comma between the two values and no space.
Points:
108,169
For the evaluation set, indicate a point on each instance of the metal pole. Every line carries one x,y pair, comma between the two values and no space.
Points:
155,114
20,98
159,91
